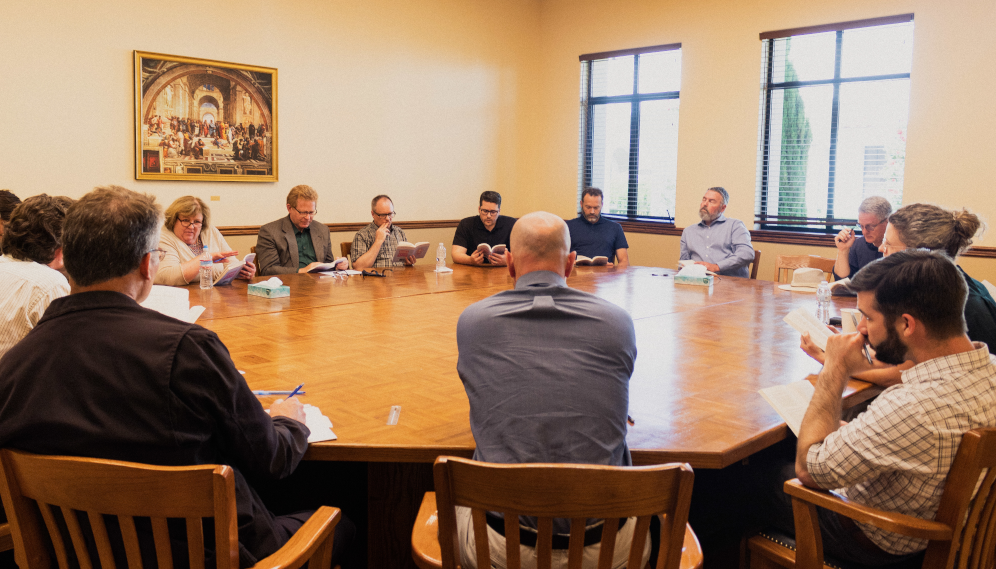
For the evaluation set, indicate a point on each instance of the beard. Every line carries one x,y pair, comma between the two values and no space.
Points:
706,216
593,217
892,350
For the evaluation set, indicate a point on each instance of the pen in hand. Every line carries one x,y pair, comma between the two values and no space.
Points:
864,346
298,388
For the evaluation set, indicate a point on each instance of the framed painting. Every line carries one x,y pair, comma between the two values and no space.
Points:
198,119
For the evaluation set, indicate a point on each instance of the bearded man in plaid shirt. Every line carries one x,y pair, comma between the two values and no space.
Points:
896,455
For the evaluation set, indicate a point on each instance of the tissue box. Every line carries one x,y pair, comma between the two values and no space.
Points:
256,290
699,281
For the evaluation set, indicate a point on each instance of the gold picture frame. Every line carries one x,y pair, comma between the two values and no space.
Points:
199,119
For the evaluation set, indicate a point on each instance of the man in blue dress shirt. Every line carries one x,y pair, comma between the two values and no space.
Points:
592,235
721,244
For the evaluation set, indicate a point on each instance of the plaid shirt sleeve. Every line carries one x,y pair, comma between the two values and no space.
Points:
892,435
361,244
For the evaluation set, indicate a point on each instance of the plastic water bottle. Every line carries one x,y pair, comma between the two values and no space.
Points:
207,269
441,257
823,302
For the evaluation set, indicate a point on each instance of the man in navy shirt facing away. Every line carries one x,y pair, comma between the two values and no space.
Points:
592,235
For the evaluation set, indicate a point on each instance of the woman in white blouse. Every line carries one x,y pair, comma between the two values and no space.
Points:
188,231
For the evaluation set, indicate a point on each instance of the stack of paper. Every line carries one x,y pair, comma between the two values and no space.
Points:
320,425
174,302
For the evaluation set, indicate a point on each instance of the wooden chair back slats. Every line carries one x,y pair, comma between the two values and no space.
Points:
129,536
195,542
103,541
573,491
757,261
346,247
160,532
55,534
76,536
789,263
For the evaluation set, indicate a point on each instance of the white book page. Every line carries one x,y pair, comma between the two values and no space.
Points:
790,401
803,320
173,302
319,424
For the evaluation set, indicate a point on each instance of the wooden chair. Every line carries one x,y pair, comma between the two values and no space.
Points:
753,266
962,534
37,490
346,247
6,541
789,263
252,249
575,491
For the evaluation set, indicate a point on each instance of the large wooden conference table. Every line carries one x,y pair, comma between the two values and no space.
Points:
364,344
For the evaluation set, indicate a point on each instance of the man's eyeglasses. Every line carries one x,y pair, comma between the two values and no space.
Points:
374,273
386,215
190,222
870,227
305,213
488,211
162,253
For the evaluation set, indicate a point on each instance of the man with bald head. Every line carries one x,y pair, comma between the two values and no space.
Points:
546,369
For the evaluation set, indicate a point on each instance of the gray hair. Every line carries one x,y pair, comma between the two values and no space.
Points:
107,232
722,192
877,206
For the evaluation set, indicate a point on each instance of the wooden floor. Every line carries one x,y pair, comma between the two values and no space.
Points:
364,344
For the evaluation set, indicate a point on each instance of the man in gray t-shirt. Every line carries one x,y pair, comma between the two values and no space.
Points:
546,367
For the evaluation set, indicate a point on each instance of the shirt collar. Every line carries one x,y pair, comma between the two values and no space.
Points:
948,365
719,219
540,278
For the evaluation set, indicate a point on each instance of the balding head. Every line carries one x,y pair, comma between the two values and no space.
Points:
540,242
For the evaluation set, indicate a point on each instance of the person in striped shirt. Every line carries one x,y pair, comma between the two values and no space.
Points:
29,267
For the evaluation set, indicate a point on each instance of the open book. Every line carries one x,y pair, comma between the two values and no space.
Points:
174,302
322,267
790,401
319,425
595,261
488,249
839,288
234,271
803,320
406,249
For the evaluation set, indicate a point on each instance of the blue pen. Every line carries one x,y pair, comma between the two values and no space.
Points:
296,390
264,392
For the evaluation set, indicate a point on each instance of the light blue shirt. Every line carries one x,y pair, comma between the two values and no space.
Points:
724,242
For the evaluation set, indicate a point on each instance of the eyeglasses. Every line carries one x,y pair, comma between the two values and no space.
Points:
374,273
305,213
189,222
385,215
488,211
162,253
870,227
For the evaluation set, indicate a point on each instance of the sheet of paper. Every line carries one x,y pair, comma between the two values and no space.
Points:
320,425
803,320
990,287
174,302
790,401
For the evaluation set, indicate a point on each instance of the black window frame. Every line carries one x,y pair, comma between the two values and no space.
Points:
587,128
831,224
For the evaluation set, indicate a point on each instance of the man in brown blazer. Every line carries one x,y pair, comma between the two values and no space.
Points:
296,243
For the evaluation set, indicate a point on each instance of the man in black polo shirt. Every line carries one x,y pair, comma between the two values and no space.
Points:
594,236
487,227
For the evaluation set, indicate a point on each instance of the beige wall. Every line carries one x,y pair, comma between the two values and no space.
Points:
422,99
436,101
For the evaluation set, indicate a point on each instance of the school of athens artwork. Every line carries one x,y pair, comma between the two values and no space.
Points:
197,119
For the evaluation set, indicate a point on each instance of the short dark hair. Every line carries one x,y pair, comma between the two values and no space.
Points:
721,191
924,284
8,201
34,230
107,232
373,202
592,192
490,197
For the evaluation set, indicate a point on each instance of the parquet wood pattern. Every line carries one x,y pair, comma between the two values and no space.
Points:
366,343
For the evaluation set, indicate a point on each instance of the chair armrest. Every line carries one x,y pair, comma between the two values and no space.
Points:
425,535
308,540
889,521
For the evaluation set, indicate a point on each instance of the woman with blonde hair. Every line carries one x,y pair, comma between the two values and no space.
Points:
187,233
926,226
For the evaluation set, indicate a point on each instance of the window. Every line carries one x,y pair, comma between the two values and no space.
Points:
629,130
834,106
